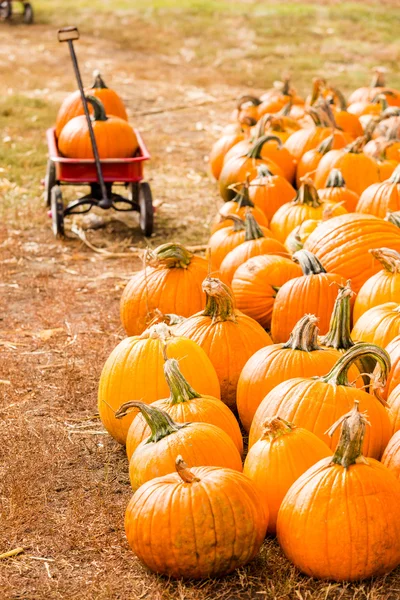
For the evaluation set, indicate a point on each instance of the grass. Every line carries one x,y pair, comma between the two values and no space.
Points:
64,488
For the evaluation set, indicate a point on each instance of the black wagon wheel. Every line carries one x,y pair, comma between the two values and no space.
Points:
133,189
57,211
28,13
49,181
146,214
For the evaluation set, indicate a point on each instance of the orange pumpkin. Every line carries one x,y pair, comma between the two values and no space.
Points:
315,403
336,190
343,118
227,336
308,163
221,147
239,207
367,93
170,282
246,108
391,456
269,192
393,380
379,198
378,325
337,500
278,458
393,402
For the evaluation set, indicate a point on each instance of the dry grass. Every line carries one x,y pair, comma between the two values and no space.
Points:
64,483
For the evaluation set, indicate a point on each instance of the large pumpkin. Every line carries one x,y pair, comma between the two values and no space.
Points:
134,369
336,190
316,403
115,138
378,325
278,458
339,520
170,282
227,336
380,198
184,405
342,245
72,105
377,86
197,523
269,192
315,292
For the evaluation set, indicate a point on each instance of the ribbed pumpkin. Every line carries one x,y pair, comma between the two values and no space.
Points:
367,93
342,245
379,198
256,282
269,192
335,190
255,244
315,292
204,445
197,523
345,120
246,108
221,147
184,405
297,238
378,325
227,336
391,456
315,403
170,282
306,205
382,287
301,356
115,138
280,124
278,458
239,207
393,380
134,369
309,162
239,167
393,402
339,520
358,169
72,105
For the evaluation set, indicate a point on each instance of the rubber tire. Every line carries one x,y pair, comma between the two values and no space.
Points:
57,211
28,14
146,213
133,189
49,181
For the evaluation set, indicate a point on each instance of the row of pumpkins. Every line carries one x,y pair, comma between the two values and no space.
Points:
297,336
115,137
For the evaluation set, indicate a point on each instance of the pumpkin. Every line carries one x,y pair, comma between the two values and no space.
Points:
204,445
211,521
296,238
227,336
377,86
391,456
134,369
315,292
379,198
170,282
315,403
246,108
342,245
378,325
386,168
239,167
278,458
256,282
329,524
255,244
184,405
115,138
358,169
382,287
306,205
283,88
72,105
308,163
239,207
280,124
393,380
343,118
274,101
336,190
393,402
300,356
221,147
269,192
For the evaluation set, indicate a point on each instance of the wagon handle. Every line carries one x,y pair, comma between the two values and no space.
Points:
69,34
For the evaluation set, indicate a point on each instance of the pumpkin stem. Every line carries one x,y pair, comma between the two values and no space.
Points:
169,319
357,146
393,217
316,89
220,303
255,149
275,427
309,263
378,79
252,229
171,255
340,98
390,259
159,421
159,331
307,194
181,390
338,375
238,223
335,179
247,99
338,336
326,145
304,335
263,171
395,176
285,110
242,198
99,113
183,471
98,83
349,449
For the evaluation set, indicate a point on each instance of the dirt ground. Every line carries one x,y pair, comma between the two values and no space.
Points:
63,481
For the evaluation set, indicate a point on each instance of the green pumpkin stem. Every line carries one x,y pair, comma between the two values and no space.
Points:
393,217
349,449
181,390
170,255
341,99
390,259
304,336
160,423
98,83
99,113
252,229
338,336
256,148
326,145
220,303
276,427
285,110
184,472
242,198
357,146
307,194
309,263
237,222
335,179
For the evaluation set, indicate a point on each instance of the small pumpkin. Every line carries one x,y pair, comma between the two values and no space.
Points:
315,292
336,190
239,207
115,138
337,500
343,118
282,454
367,93
174,538
378,325
170,282
204,445
379,198
308,163
227,336
221,147
316,402
269,192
